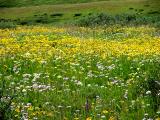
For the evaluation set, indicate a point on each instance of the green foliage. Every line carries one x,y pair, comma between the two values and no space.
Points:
8,3
7,24
100,19
95,19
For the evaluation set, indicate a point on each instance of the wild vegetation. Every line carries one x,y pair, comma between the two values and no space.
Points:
81,61
59,73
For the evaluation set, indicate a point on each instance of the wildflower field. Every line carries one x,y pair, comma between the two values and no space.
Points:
76,73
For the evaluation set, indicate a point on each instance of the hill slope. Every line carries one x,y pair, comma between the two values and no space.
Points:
66,12
20,3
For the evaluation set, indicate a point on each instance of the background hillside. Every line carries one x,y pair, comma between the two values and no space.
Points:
26,12
18,3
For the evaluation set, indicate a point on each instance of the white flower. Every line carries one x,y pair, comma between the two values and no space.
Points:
36,75
68,107
43,62
27,54
146,114
103,116
35,86
111,67
150,119
24,90
126,94
59,76
158,112
26,75
29,104
65,78
59,106
148,92
79,83
102,86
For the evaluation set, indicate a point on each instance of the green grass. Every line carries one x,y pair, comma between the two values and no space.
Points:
31,13
20,3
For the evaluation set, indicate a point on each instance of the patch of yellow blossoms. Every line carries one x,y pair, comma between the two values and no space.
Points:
39,47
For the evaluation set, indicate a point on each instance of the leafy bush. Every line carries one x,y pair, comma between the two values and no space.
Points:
95,19
77,14
122,19
4,25
57,15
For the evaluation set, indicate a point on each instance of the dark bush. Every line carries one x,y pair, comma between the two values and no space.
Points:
122,19
77,14
89,13
141,10
57,15
45,14
95,19
131,8
154,12
23,23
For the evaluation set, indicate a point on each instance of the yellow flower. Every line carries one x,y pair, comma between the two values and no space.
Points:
76,118
104,111
88,118
30,108
50,114
112,118
17,110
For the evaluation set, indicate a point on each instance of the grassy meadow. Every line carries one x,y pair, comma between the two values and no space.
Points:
69,13
55,73
80,60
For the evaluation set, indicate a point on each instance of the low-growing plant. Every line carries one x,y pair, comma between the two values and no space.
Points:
4,25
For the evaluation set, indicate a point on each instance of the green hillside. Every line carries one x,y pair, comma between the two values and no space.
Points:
60,13
20,3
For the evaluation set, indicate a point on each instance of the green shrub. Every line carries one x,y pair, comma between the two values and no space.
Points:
95,19
4,25
77,14
122,19
105,19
